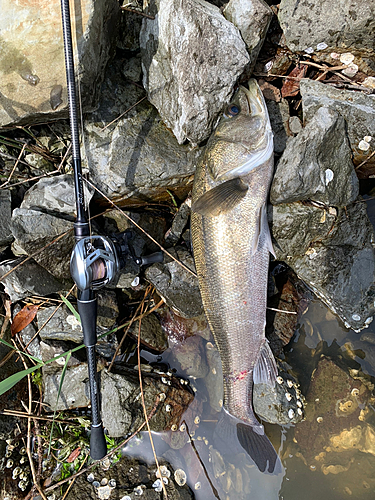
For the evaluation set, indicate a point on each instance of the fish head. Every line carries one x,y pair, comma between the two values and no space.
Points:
243,138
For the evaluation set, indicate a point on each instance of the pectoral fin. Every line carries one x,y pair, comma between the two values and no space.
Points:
265,371
220,199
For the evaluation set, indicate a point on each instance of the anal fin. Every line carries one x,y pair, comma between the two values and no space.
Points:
221,199
265,371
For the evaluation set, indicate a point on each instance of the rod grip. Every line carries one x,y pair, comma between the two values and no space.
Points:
88,312
98,444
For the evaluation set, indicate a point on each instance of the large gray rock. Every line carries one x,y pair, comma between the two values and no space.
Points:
32,64
339,267
252,18
54,195
317,165
176,285
136,158
339,25
6,236
296,226
191,57
357,108
27,280
47,212
33,230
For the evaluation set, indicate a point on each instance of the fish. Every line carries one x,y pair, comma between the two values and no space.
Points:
231,244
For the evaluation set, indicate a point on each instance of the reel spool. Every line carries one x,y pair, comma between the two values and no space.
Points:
96,260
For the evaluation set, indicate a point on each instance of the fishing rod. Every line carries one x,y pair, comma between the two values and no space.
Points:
96,260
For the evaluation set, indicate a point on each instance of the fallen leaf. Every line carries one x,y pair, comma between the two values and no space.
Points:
23,318
75,453
291,85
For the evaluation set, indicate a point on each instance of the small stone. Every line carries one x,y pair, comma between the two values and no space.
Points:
197,420
112,483
319,420
138,491
369,82
90,478
288,396
321,46
295,125
157,485
367,138
309,50
356,317
197,486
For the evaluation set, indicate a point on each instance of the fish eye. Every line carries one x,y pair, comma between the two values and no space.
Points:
232,110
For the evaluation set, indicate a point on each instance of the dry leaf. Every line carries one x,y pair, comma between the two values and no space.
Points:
291,86
23,318
75,453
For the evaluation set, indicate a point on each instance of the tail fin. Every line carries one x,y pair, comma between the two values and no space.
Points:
237,436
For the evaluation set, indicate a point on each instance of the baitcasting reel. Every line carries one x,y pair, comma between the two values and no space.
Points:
97,260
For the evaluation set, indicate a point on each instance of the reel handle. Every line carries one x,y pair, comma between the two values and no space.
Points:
149,259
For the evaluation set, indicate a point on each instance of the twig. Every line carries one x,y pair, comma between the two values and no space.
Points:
28,446
365,161
21,414
144,408
138,12
141,229
281,310
124,113
14,167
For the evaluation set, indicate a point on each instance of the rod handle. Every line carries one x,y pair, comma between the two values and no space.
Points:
98,444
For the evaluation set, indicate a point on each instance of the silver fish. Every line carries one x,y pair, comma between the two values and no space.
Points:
231,244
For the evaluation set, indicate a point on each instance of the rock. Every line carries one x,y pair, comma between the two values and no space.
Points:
279,116
189,92
46,213
334,411
132,477
122,410
316,165
295,125
281,404
191,357
179,223
357,108
338,265
143,160
59,324
75,390
297,226
132,69
178,287
129,29
6,236
349,26
34,87
252,18
152,334
33,230
27,280
340,270
54,194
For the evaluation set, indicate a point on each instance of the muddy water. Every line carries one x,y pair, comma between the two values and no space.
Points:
330,455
